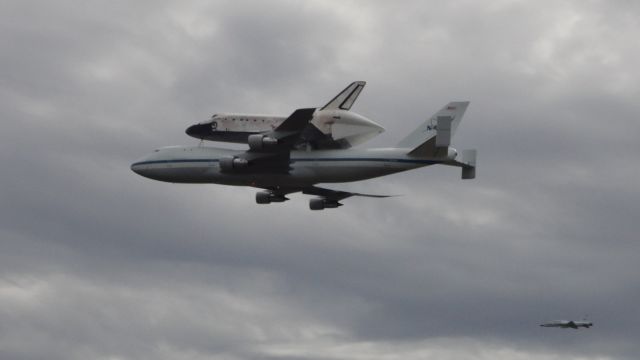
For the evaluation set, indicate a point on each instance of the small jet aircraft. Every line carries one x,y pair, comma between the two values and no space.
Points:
566,324
332,126
274,163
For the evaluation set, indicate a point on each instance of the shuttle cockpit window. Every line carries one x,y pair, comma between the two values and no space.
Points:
212,118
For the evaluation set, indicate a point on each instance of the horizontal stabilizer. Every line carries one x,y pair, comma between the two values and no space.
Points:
468,163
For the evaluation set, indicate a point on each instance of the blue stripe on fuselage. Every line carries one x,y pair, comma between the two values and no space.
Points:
410,161
173,161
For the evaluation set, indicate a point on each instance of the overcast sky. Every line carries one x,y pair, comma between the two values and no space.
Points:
97,262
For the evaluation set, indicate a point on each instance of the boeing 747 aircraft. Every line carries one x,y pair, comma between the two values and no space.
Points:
274,163
568,324
332,126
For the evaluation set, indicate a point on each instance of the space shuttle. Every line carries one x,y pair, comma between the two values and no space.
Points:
333,126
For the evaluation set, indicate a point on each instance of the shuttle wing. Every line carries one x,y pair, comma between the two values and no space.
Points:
270,152
290,130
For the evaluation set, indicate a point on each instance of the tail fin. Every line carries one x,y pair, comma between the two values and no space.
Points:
345,99
432,139
437,130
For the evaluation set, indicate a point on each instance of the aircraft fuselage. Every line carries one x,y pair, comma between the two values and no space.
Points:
568,324
201,164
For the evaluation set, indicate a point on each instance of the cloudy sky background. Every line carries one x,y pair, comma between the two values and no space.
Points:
99,263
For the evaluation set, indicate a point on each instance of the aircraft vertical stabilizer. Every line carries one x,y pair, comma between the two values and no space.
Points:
447,120
432,139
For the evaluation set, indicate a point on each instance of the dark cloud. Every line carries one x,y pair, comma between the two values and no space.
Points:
97,262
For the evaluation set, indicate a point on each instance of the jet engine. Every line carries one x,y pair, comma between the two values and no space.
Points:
261,142
321,204
267,197
231,163
451,153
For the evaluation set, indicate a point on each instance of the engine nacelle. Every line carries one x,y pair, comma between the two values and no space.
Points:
231,163
452,153
321,204
267,197
446,153
261,142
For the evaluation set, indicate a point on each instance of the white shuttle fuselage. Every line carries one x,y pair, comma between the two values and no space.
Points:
332,126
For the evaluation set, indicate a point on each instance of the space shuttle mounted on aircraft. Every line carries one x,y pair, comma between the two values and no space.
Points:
282,161
332,126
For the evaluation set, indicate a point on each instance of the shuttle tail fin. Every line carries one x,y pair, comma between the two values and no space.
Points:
345,99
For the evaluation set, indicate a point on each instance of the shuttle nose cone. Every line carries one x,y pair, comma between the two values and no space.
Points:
198,131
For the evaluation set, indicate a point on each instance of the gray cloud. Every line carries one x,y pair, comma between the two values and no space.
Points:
97,262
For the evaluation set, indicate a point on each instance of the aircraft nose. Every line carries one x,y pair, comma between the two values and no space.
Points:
136,168
139,166
198,131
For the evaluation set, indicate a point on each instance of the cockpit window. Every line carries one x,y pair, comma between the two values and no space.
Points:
208,121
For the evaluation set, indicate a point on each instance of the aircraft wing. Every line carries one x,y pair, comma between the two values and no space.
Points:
336,195
270,152
284,137
326,198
